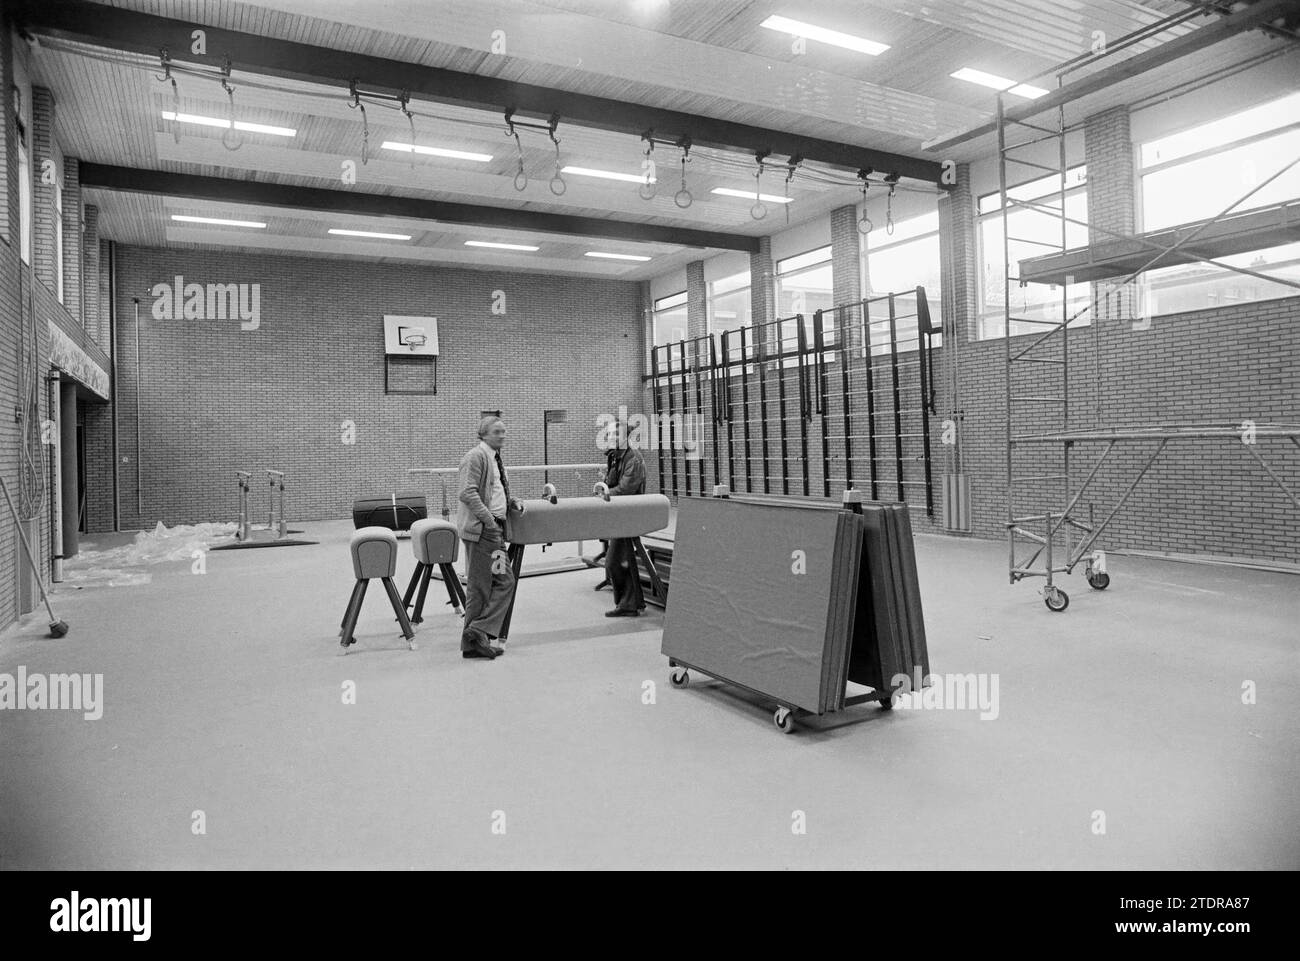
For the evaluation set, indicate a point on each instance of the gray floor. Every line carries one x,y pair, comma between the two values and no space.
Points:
223,695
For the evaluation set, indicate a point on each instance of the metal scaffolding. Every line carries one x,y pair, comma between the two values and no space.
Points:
1042,428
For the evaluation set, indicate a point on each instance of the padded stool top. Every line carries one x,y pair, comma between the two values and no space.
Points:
435,541
374,553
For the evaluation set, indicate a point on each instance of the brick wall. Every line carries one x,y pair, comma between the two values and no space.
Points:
216,399
697,300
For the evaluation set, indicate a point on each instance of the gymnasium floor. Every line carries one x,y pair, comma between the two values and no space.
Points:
223,695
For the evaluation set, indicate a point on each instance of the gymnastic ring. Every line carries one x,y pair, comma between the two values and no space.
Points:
557,179
646,191
521,176
681,195
867,230
758,211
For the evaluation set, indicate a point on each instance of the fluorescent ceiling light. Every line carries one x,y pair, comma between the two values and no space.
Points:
218,221
225,124
1028,90
436,151
597,253
488,243
749,195
368,233
608,175
998,83
833,37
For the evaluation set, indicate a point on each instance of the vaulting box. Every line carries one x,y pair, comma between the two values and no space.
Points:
586,519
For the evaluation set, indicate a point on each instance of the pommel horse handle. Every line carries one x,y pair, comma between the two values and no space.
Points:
601,490
548,492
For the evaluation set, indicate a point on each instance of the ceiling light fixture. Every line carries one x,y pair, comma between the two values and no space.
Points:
496,246
436,151
341,232
225,124
608,175
597,253
218,221
993,81
833,37
749,195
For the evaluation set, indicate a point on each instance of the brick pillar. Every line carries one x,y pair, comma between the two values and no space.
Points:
762,283
73,239
958,260
846,255
42,155
697,300
1108,152
90,274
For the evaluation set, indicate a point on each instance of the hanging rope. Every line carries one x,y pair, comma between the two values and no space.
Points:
166,60
792,166
889,211
683,198
864,222
558,186
356,104
405,101
759,210
648,185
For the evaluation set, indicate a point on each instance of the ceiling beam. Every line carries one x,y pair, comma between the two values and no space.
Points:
229,190
119,29
1253,17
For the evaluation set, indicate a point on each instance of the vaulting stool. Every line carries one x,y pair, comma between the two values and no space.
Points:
374,554
436,543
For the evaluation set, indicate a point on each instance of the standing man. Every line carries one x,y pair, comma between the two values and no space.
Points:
625,475
481,519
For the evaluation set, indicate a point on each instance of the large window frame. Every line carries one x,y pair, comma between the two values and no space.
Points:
990,316
1247,142
912,235
721,293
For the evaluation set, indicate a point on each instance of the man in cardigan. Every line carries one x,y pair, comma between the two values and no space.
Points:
625,475
481,519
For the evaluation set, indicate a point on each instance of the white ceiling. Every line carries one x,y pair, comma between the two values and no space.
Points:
709,57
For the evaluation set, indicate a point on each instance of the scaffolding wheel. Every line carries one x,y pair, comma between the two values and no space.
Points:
1098,580
784,720
1056,599
679,677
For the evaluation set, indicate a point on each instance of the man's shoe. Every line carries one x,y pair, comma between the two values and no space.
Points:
480,650
619,612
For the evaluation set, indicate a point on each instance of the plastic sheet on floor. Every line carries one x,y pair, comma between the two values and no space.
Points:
127,565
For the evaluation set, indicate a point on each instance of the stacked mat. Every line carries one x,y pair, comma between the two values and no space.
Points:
792,598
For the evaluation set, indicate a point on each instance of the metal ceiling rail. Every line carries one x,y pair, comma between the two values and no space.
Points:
229,190
118,29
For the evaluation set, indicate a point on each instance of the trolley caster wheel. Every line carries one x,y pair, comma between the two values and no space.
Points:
679,677
784,720
1099,581
887,704
1056,599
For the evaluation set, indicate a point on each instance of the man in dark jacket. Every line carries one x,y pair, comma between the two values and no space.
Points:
625,475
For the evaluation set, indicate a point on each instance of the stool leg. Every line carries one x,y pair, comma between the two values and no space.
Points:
452,583
410,588
418,614
408,631
350,624
356,589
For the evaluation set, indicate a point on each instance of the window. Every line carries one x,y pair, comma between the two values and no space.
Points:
1197,174
729,305
670,325
1033,233
900,262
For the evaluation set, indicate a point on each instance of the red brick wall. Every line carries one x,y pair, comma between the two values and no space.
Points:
217,399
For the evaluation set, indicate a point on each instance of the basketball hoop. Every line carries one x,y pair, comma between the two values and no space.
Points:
415,341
